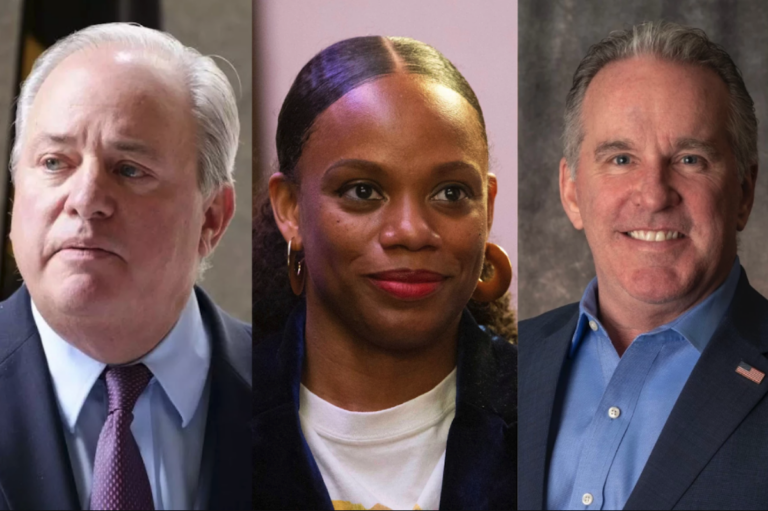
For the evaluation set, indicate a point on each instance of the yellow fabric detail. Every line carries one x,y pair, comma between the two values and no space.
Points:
345,505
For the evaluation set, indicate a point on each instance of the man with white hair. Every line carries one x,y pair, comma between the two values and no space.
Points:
122,386
651,393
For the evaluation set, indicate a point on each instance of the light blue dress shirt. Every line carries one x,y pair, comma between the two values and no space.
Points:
169,416
610,410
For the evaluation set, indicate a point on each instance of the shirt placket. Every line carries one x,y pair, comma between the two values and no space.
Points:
611,420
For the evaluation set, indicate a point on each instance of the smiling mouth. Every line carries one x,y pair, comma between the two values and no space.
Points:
655,236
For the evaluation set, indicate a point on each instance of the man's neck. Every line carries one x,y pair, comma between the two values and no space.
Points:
625,318
115,339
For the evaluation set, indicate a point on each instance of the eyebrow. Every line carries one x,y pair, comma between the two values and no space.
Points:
354,163
452,166
610,146
135,147
704,146
681,144
53,138
369,166
125,146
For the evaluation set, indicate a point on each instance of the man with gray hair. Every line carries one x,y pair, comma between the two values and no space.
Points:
122,386
650,392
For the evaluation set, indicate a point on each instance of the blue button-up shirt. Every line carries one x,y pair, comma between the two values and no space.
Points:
610,410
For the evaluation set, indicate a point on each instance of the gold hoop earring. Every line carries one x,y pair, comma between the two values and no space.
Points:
296,271
493,289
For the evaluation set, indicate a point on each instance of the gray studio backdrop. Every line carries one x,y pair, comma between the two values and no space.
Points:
214,28
554,35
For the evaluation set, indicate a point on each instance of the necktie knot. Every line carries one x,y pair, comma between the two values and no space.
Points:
125,384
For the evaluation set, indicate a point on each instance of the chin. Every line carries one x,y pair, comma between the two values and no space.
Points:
657,285
405,330
84,294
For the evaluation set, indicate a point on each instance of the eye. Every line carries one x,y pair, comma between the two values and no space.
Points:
53,164
690,159
130,171
621,159
362,191
451,194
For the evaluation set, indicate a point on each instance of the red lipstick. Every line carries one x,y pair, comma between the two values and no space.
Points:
408,284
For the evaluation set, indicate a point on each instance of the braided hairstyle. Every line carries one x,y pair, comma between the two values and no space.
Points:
331,74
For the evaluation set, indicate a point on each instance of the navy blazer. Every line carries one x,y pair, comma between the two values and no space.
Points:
481,454
713,451
35,471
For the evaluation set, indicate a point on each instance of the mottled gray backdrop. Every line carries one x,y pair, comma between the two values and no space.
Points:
554,35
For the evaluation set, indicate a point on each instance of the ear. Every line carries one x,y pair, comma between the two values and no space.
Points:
492,189
568,195
219,209
285,206
747,198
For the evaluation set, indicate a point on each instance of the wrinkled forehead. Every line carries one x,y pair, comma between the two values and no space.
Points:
119,68
669,98
134,92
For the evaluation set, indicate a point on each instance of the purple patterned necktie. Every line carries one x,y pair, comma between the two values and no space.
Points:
119,478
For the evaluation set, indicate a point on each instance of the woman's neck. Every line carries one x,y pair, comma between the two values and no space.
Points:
354,372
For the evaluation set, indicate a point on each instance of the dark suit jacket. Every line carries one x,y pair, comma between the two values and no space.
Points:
35,471
713,450
480,463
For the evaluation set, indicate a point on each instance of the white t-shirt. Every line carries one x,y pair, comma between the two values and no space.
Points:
390,459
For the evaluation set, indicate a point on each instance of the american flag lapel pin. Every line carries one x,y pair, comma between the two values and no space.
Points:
750,373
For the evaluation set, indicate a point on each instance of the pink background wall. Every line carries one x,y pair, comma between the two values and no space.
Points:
479,37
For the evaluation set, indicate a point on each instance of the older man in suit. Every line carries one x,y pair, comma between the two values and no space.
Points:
650,392
122,386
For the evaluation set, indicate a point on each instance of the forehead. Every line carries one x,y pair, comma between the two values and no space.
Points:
653,98
405,121
122,91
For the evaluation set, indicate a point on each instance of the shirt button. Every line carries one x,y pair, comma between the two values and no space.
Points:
587,499
593,326
614,412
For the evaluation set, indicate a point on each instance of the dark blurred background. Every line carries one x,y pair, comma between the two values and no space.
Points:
28,27
554,35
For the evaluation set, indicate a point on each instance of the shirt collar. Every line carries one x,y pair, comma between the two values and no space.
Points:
179,363
696,325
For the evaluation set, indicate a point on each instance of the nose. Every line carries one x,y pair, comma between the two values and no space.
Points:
407,225
655,190
90,194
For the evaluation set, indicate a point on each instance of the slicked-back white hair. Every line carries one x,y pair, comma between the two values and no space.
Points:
213,100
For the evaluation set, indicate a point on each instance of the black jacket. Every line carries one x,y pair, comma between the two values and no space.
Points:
481,456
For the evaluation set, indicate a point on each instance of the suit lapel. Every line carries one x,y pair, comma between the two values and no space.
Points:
227,433
285,473
713,403
541,364
35,471
480,463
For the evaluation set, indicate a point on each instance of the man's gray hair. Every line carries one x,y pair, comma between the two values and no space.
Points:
674,43
213,100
